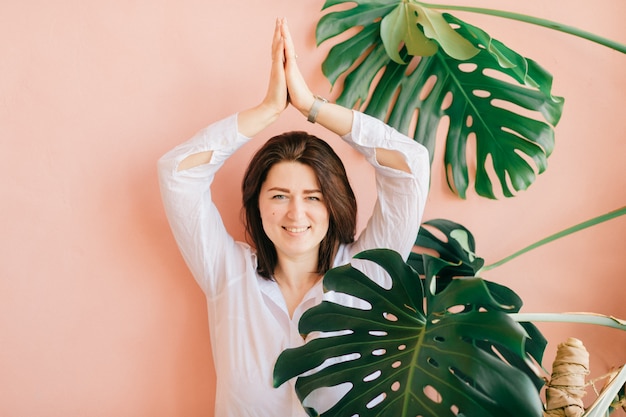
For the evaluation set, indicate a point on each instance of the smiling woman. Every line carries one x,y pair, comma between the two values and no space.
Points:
326,174
296,220
300,217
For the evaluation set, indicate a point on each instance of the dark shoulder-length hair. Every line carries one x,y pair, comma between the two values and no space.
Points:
338,195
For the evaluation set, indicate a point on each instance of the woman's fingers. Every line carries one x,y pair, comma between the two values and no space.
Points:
299,94
278,48
290,50
276,96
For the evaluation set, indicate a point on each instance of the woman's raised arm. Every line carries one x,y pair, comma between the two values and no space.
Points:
334,117
254,120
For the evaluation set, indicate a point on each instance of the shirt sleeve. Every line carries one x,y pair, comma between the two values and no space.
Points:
197,226
401,196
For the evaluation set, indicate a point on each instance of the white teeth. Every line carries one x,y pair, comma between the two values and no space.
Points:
296,229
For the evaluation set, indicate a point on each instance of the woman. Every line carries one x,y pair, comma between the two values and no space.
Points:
300,216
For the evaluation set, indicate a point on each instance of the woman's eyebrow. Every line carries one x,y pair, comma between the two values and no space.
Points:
286,190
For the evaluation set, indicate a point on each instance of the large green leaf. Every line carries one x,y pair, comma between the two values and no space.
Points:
496,98
456,249
417,352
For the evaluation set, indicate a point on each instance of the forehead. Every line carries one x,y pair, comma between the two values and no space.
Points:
291,175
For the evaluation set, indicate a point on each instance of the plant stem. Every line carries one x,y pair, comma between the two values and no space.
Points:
583,318
535,21
563,233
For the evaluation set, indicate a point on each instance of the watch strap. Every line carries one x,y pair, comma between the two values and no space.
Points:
315,108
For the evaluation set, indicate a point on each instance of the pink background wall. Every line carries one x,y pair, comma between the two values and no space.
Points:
98,314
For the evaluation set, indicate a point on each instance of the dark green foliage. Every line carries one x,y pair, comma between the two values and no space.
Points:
457,342
493,101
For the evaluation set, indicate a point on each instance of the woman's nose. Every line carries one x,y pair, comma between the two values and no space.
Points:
296,209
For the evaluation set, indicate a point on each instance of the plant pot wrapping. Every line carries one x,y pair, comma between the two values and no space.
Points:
566,388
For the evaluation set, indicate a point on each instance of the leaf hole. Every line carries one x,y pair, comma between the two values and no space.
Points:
411,66
401,347
432,394
378,333
499,75
468,67
490,171
379,352
396,364
498,354
379,399
347,299
432,362
454,409
336,391
481,93
439,339
428,86
390,316
316,335
395,386
469,121
461,376
437,232
514,108
447,101
456,309
470,156
371,377
392,103
414,119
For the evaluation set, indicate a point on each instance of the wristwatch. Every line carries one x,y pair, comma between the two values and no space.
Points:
315,108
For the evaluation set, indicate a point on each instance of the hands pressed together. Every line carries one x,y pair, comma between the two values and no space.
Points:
287,86
286,83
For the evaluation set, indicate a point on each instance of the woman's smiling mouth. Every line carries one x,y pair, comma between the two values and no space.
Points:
296,229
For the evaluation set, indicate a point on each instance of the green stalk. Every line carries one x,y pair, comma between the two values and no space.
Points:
563,233
582,318
535,21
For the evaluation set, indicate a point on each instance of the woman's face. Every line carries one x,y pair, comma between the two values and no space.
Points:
293,211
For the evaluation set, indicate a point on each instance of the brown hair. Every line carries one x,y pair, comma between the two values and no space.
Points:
331,174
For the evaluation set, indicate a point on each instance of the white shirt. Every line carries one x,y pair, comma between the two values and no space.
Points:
248,318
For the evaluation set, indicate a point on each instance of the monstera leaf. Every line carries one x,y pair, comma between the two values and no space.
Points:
458,251
414,352
494,99
458,248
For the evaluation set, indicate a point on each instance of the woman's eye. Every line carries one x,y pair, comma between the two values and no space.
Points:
314,198
279,197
